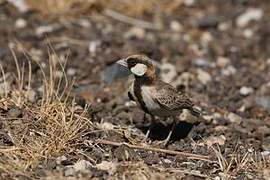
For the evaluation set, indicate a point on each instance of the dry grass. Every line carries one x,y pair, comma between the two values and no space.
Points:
48,128
248,162
127,7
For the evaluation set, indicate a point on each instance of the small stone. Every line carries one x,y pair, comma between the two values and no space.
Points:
71,71
20,23
234,118
106,126
92,46
21,5
201,62
176,26
82,166
136,32
206,38
60,159
220,140
44,29
31,95
203,76
69,171
264,102
84,23
244,91
108,166
168,72
189,3
14,112
230,70
222,61
208,22
4,88
248,33
224,26
251,14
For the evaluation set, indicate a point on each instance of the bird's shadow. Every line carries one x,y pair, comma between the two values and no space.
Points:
159,131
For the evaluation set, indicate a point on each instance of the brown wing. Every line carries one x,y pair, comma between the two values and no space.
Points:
168,97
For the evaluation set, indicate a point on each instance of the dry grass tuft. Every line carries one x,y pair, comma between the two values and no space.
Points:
51,126
127,7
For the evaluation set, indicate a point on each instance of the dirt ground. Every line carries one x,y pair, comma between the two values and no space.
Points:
64,109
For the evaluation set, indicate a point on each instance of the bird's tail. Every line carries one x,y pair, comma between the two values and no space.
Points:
195,111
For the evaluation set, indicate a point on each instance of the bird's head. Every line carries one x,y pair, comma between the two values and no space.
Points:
139,65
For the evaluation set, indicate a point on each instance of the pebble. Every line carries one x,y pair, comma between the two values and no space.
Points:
189,3
14,112
168,72
4,88
201,62
31,95
21,5
248,33
176,26
234,118
264,102
71,71
251,14
82,165
92,46
203,76
41,30
222,61
208,22
107,166
69,171
136,32
20,23
230,70
244,91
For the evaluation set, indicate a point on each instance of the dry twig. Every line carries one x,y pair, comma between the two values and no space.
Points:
166,151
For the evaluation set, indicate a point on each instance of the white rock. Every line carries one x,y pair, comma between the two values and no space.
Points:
107,166
234,118
176,26
224,26
69,171
31,95
168,72
189,3
4,88
203,76
248,33
230,70
244,91
21,5
135,32
71,71
84,23
222,61
201,62
249,15
106,126
82,165
44,29
20,23
60,159
206,37
92,46
220,140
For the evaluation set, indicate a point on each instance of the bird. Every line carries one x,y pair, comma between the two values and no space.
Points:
154,96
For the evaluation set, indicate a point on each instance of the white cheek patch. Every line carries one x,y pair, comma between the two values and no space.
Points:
139,69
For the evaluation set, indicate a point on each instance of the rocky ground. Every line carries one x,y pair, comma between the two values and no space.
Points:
64,110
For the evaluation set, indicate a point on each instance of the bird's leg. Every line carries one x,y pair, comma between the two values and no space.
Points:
151,126
165,142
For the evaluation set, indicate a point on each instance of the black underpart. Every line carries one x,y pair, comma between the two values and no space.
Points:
130,96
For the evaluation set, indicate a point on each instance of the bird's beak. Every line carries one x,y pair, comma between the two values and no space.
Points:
122,62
